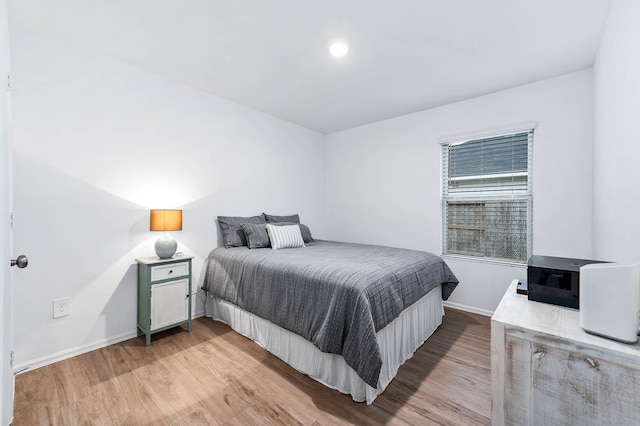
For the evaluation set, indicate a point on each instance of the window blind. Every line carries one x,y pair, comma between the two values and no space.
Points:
487,197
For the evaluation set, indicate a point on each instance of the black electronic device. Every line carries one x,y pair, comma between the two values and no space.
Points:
555,280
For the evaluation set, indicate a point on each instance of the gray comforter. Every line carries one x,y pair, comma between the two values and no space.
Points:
336,295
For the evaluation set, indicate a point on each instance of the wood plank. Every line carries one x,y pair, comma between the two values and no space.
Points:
215,376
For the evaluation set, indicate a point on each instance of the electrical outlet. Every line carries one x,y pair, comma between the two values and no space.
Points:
61,307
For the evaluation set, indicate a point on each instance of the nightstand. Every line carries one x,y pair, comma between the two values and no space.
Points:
164,293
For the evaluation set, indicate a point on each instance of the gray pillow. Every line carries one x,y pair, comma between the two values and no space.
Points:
304,230
232,233
294,218
257,236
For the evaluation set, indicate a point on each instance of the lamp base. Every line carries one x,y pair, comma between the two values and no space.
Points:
166,246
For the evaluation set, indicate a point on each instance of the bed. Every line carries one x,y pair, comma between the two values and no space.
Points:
347,315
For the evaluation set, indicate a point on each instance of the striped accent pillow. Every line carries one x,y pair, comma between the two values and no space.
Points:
287,236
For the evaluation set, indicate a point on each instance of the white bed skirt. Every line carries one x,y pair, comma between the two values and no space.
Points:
398,341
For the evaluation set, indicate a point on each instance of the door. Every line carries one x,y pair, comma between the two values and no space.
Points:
6,371
169,303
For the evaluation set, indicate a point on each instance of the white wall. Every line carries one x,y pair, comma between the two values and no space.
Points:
96,144
617,145
383,179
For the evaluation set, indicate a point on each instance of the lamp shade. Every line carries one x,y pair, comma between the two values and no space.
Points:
166,220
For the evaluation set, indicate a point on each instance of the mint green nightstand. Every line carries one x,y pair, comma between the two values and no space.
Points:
164,294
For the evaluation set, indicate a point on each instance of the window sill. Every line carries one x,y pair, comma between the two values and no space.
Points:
511,263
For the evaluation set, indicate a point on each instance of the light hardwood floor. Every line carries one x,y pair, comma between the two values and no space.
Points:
215,376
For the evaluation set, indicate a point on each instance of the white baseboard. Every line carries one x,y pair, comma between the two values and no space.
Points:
468,308
79,350
71,352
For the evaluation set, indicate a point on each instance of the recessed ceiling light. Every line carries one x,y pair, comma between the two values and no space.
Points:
338,48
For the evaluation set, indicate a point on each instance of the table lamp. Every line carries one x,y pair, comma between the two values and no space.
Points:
166,220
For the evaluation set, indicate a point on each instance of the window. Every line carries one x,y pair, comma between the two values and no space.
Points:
487,197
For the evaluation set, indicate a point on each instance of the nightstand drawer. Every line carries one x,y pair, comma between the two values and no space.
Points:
165,272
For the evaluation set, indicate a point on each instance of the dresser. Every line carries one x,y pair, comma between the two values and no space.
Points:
545,370
164,291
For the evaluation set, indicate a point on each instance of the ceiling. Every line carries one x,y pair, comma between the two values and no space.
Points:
271,55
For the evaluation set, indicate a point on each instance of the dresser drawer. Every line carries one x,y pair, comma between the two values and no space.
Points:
165,272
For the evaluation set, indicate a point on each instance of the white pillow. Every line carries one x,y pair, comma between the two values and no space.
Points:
286,236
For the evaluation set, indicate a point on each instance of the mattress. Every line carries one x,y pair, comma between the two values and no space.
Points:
335,295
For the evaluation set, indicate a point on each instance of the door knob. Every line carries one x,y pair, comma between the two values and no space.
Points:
21,262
